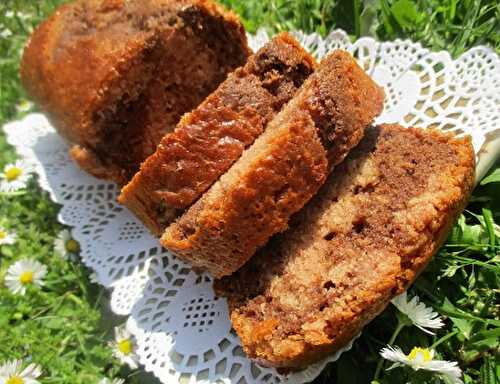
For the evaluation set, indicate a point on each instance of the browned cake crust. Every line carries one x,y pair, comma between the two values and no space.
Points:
281,171
114,76
361,240
207,141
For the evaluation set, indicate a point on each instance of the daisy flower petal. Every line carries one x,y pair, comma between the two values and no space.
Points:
449,369
32,371
6,238
114,381
394,354
66,246
15,176
23,273
5,33
124,347
421,316
93,278
24,106
11,372
423,358
10,368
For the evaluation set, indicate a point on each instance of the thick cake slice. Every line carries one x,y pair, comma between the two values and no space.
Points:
207,141
361,240
281,171
114,76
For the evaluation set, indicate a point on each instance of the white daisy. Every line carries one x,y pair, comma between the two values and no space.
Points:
23,273
5,33
11,373
114,381
21,15
93,278
24,106
421,316
6,238
423,358
15,176
124,347
66,246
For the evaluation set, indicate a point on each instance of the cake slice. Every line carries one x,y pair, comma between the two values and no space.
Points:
114,76
360,241
281,171
207,141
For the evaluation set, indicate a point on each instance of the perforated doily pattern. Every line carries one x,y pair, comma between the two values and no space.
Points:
182,329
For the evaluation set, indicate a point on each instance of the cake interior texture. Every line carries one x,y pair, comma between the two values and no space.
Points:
281,171
208,140
360,241
131,70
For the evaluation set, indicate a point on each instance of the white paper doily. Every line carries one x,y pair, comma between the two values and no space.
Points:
183,332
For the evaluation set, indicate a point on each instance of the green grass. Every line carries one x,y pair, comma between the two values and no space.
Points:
450,24
62,327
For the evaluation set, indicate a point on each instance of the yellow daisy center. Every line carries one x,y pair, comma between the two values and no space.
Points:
26,277
422,354
3,235
15,380
125,346
72,246
13,173
24,105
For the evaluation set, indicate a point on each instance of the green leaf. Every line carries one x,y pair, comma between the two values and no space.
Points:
481,219
488,219
368,19
492,333
6,250
405,13
493,177
487,373
468,234
464,325
451,270
55,322
454,313
472,350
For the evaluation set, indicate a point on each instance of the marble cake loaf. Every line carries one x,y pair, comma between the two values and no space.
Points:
114,76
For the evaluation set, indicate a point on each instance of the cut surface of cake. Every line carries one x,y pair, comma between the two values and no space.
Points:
360,241
208,140
281,171
114,76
